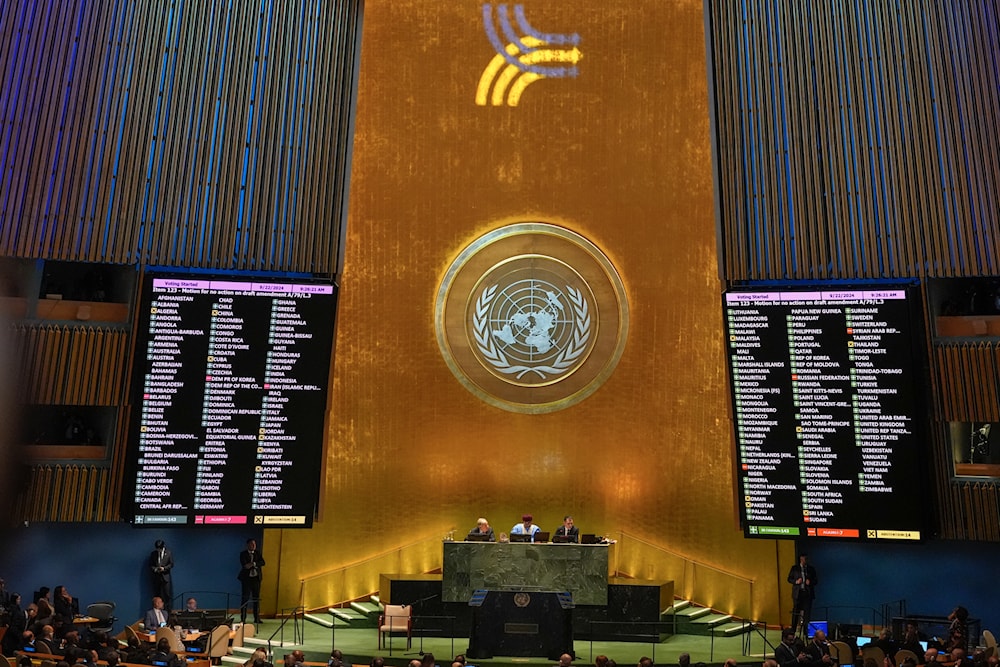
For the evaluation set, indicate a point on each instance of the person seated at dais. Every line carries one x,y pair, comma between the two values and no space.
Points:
526,527
571,532
483,528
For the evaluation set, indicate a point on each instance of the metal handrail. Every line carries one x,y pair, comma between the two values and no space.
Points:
298,629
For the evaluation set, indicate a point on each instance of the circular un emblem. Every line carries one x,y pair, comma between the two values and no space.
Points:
522,599
531,317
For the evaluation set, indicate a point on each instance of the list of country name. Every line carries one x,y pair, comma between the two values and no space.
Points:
821,403
224,367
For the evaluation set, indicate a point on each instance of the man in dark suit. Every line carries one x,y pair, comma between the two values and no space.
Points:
803,578
789,653
161,561
250,564
568,529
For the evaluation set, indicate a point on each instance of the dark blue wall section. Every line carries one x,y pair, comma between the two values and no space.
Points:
102,561
933,578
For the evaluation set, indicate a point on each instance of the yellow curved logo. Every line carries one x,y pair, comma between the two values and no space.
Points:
522,60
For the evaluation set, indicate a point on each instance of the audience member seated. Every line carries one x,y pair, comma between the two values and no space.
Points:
156,617
336,658
819,651
886,643
71,640
295,658
163,656
47,635
104,645
137,652
28,641
789,653
259,655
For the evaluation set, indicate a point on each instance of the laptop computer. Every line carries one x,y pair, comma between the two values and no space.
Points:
477,537
589,538
542,536
520,537
562,539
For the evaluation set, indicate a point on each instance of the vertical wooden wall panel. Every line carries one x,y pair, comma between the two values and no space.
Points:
179,134
886,114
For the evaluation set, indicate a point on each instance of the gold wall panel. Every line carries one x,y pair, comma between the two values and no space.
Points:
619,154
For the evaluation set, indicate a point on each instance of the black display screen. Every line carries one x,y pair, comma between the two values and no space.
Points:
229,401
827,412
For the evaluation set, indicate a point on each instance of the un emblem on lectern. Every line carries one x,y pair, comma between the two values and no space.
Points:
531,317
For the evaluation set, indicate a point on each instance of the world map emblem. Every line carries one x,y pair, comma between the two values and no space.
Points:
531,317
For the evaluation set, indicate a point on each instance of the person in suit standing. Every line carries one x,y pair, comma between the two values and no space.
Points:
161,561
803,579
250,564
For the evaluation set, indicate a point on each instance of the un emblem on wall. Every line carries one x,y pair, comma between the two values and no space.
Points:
531,317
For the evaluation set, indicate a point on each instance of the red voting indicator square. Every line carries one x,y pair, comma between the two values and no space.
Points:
795,376
145,396
850,331
811,532
208,378
267,385
199,519
838,532
746,467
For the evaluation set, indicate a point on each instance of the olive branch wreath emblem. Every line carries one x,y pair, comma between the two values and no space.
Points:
567,357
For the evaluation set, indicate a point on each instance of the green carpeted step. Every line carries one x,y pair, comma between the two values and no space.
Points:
733,629
375,598
325,622
691,613
367,608
676,607
347,614
712,620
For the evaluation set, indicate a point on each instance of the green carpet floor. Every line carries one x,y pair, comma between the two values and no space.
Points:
361,644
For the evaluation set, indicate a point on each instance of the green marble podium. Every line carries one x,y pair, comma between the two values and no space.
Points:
581,569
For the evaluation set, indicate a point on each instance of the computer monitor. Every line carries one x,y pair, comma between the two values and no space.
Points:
477,537
864,641
817,625
190,619
520,537
562,539
215,617
589,538
542,536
